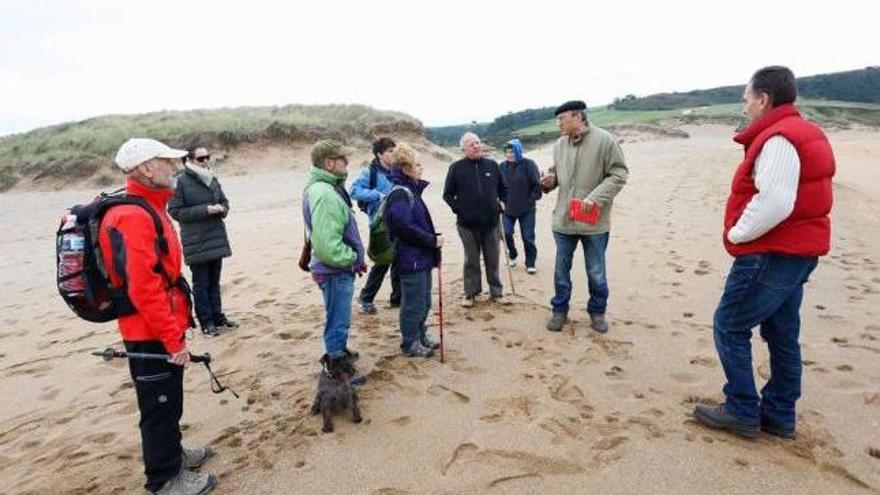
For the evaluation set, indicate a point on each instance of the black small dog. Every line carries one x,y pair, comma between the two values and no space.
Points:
335,391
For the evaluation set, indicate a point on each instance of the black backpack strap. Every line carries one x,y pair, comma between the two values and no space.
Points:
161,241
344,194
373,175
162,248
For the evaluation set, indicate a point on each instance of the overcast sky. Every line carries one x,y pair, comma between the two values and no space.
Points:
444,62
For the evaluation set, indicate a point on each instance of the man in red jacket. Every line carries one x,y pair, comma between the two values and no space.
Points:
150,274
776,226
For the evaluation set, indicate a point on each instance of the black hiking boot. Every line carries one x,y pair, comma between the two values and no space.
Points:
771,429
210,330
417,350
598,323
557,321
718,418
227,323
428,343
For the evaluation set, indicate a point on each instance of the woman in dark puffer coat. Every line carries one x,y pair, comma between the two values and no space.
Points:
200,206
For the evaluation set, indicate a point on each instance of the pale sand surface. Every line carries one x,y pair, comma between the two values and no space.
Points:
515,409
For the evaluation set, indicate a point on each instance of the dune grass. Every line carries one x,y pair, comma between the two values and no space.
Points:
100,137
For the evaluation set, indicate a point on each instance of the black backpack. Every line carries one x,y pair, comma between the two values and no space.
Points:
363,206
82,275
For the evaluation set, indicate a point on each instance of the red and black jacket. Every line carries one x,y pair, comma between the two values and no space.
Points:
129,236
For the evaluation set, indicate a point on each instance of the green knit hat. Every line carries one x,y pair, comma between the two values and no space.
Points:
328,148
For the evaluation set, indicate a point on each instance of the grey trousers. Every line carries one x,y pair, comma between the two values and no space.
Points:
476,242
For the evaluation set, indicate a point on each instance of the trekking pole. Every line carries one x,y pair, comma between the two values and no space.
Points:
440,303
506,255
110,353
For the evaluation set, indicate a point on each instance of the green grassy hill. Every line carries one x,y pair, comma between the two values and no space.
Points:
839,99
860,86
79,150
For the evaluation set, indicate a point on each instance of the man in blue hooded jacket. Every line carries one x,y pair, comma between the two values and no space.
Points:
368,190
523,190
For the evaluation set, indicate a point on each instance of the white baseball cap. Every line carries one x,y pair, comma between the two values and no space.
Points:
139,150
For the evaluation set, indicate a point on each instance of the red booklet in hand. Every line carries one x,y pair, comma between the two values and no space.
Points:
576,212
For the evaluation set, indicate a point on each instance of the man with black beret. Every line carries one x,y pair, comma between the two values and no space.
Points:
588,165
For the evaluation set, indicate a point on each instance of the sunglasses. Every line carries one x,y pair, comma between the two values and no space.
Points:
203,159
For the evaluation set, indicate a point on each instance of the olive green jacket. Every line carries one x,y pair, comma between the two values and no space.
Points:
589,167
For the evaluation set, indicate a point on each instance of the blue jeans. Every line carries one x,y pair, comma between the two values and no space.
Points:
527,229
415,304
765,290
594,259
338,290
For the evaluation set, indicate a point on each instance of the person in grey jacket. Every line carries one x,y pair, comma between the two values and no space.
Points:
200,206
588,165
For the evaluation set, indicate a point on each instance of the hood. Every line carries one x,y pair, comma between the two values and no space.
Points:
517,148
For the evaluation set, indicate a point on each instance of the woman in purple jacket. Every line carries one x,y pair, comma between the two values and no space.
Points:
416,250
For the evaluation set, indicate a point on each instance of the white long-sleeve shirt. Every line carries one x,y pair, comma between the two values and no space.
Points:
776,174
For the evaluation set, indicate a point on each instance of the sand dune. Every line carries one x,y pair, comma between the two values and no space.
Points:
515,409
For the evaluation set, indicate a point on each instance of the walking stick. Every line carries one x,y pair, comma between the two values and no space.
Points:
110,353
506,256
440,303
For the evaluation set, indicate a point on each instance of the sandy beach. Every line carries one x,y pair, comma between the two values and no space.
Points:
515,409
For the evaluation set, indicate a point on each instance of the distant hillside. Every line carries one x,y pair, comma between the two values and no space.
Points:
79,151
501,126
836,89
830,114
861,86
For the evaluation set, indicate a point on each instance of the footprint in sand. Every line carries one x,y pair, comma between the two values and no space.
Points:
704,361
685,377
703,267
675,266
438,389
615,372
606,448
510,460
402,421
652,429
101,438
50,394
563,391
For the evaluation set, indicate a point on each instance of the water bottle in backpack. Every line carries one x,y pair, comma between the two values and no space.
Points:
71,257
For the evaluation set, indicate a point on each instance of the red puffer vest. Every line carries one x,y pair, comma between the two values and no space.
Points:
807,231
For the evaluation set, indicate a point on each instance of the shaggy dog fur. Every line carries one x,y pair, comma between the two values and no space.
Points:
335,392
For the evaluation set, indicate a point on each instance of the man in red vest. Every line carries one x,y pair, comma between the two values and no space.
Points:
776,226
